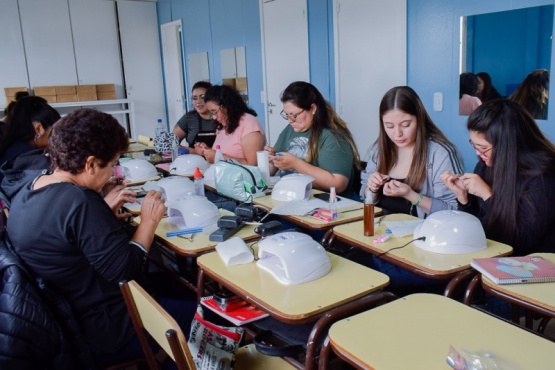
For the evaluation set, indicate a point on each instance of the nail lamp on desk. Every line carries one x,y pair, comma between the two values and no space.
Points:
172,187
293,258
295,186
186,164
138,170
451,232
196,211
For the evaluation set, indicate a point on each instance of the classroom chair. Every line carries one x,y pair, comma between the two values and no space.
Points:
149,317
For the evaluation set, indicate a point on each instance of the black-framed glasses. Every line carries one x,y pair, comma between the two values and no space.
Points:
290,116
215,112
480,149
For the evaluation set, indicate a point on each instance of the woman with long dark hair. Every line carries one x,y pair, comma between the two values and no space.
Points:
408,158
533,93
512,189
316,142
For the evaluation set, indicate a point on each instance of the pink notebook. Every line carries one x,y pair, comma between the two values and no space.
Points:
516,270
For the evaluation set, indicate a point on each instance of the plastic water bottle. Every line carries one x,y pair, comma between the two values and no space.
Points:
333,203
159,128
199,182
219,155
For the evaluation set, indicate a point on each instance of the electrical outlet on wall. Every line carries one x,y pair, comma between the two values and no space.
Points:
438,102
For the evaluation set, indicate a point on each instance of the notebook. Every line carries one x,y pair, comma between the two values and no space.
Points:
240,316
516,270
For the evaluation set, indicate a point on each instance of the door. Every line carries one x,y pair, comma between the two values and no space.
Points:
369,65
142,64
285,52
172,54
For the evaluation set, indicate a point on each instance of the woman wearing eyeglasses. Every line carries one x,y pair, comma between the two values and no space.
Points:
316,142
512,189
197,125
239,133
407,159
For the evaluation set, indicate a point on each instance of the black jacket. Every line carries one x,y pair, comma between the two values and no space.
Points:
34,333
23,169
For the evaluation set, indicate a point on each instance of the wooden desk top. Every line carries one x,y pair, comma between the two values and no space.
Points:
538,295
424,263
200,244
415,332
345,282
355,213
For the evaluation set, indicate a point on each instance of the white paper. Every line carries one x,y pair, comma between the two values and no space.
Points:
264,165
402,228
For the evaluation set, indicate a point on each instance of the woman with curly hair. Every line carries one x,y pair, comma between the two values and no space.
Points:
239,133
66,233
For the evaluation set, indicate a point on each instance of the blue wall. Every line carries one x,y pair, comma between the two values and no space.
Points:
212,25
433,60
432,51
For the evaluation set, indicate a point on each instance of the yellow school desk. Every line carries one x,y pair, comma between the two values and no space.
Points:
538,297
421,262
345,215
295,304
201,242
415,332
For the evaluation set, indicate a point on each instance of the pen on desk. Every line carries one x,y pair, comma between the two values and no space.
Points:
351,210
184,231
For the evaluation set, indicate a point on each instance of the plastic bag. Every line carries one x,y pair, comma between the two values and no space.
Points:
213,346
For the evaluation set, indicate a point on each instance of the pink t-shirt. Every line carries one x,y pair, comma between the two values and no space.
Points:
231,144
467,104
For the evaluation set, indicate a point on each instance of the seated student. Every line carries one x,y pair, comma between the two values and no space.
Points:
197,125
29,128
407,159
65,233
486,90
239,133
512,189
467,93
533,93
316,142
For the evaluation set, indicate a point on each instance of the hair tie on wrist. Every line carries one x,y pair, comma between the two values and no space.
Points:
416,203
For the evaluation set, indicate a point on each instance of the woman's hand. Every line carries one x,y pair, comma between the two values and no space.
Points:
284,160
376,181
475,185
117,197
153,208
200,148
271,151
396,188
454,183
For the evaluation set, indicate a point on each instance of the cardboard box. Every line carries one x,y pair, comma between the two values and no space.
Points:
241,84
106,95
45,90
86,96
50,98
86,89
105,88
229,82
66,90
64,98
10,91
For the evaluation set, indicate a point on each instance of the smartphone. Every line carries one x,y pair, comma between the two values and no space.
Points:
325,197
140,194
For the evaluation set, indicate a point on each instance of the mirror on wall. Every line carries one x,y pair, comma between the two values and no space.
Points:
234,70
198,69
507,46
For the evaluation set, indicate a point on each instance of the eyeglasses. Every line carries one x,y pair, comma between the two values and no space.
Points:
198,97
214,113
290,116
480,149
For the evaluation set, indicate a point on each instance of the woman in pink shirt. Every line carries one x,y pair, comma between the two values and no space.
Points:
239,133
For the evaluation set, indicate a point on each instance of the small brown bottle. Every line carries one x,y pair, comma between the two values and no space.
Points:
368,219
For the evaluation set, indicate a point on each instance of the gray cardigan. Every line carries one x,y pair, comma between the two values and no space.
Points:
441,158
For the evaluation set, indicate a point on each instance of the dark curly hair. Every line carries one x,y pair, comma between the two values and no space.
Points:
84,133
229,98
